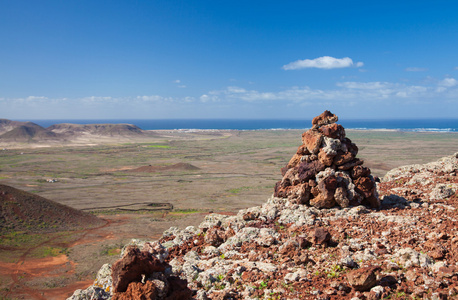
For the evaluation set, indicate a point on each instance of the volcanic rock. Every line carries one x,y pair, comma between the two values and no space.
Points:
320,236
325,118
325,172
138,290
132,266
363,279
285,250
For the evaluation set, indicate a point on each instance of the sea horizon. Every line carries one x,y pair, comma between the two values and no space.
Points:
408,125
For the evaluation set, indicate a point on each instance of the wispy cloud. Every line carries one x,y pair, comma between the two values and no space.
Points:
448,82
36,98
349,91
324,62
416,69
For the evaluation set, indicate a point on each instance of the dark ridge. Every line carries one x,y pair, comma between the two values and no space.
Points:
24,211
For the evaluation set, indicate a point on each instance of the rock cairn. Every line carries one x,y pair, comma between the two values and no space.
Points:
325,171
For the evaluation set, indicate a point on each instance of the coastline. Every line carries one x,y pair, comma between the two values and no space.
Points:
192,130
402,125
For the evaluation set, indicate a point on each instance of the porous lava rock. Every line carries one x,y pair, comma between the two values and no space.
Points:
140,274
132,266
325,171
363,279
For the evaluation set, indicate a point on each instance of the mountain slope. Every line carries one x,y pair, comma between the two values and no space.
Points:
20,210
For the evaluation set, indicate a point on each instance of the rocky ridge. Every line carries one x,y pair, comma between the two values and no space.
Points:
288,249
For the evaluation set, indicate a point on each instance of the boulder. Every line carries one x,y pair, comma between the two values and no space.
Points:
363,279
132,266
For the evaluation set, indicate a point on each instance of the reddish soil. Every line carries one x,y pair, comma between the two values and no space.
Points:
57,277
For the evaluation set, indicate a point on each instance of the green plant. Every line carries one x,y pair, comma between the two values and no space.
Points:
220,277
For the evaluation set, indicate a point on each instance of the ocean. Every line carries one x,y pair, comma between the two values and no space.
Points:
420,125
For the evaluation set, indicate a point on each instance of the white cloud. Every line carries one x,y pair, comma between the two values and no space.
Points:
363,85
324,62
448,82
96,99
152,98
234,89
209,98
344,93
177,81
36,98
348,92
415,69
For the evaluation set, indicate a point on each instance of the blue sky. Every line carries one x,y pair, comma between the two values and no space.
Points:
79,59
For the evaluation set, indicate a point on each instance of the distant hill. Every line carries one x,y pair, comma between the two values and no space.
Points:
67,129
8,125
20,210
16,131
26,132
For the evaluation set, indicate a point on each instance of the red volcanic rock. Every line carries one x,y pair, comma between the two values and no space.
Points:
335,131
138,290
308,171
325,198
312,140
448,271
214,236
132,266
343,157
178,289
360,171
325,158
372,201
341,197
365,186
351,147
310,177
320,236
325,118
302,150
294,161
363,279
350,165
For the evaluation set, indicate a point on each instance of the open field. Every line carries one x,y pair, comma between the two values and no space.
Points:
194,172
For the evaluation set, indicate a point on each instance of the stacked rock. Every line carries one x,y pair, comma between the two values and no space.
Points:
325,172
